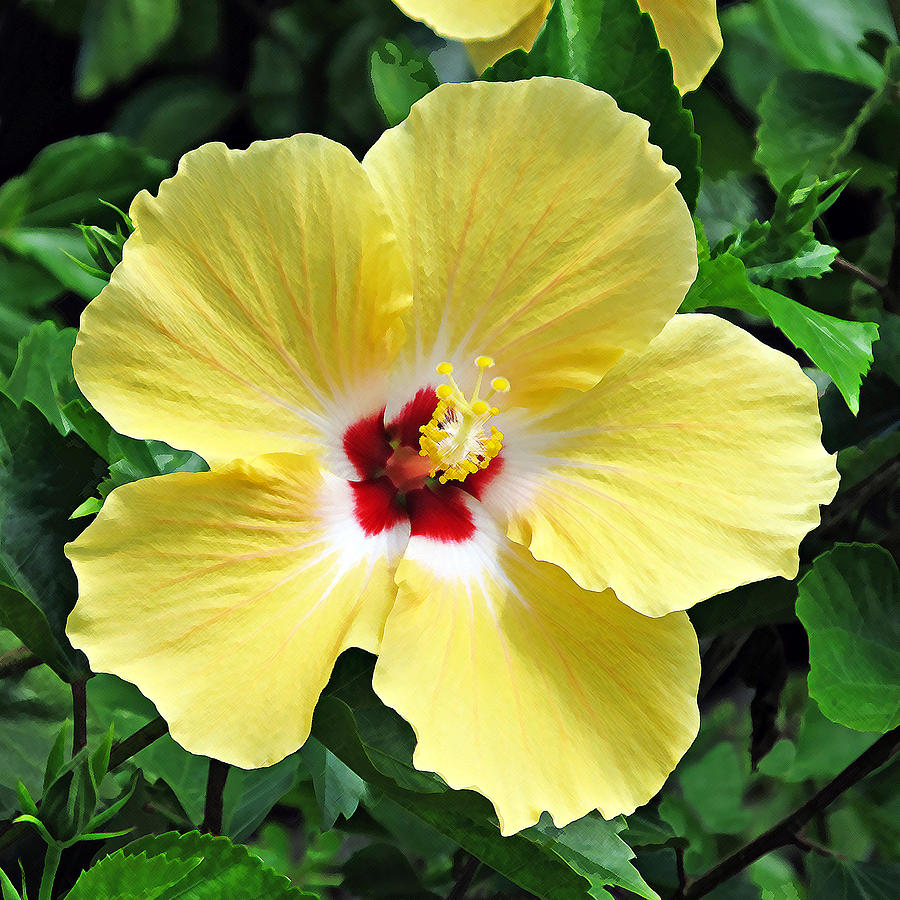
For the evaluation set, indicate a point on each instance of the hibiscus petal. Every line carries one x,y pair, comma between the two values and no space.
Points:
257,302
484,53
532,691
693,467
540,226
689,30
227,596
468,19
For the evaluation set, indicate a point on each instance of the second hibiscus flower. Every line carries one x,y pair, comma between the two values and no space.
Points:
447,422
688,29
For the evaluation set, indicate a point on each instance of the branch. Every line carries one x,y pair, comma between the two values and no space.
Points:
15,662
849,502
892,297
458,891
887,295
143,737
215,789
785,832
79,715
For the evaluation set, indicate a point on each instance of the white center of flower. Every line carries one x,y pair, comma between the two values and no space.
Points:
459,439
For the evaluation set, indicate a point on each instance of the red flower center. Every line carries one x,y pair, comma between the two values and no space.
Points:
393,483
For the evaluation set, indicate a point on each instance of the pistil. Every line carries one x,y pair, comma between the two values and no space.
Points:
459,440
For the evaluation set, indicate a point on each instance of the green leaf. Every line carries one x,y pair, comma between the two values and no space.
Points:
760,603
842,349
849,603
808,121
824,36
225,870
67,180
338,788
751,57
7,888
42,477
553,863
811,260
785,247
837,879
132,877
43,373
726,204
25,289
118,37
26,620
90,507
401,75
647,829
382,872
43,377
857,463
58,251
821,749
24,284
172,115
612,46
32,708
722,811
250,795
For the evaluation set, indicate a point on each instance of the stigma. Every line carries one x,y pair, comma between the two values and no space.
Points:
460,439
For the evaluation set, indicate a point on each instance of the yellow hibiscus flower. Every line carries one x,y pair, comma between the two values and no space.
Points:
688,29
516,548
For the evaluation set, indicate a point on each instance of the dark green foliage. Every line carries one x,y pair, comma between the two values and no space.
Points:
400,75
798,122
849,603
189,866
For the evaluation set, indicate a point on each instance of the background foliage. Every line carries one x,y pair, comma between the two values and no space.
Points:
789,156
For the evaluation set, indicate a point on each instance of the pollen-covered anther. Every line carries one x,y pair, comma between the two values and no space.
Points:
459,439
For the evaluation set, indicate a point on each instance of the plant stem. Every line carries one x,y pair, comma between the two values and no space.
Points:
458,891
143,737
15,662
215,788
866,277
48,876
892,295
851,501
785,832
79,714
679,867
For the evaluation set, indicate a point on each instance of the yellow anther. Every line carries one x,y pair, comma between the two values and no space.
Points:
458,440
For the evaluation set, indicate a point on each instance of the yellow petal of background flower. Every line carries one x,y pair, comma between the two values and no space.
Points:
468,19
260,286
689,30
486,52
693,467
530,690
540,226
226,598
